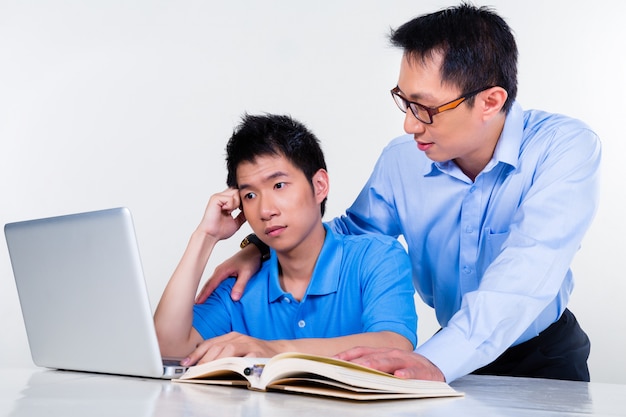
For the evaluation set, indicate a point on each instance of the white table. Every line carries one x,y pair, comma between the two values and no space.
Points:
38,392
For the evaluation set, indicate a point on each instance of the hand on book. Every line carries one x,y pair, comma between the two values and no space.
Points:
229,345
400,363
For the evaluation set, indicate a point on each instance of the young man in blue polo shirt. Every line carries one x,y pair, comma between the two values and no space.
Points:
320,292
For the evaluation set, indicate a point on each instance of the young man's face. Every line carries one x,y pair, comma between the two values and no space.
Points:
279,202
456,134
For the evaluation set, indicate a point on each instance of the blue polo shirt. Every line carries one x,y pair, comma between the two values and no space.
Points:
361,283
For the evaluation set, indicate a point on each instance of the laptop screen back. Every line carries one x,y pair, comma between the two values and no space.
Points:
83,295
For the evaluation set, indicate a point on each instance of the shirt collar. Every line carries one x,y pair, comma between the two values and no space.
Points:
510,142
325,279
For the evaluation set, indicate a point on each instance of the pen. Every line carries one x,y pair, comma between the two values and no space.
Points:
253,370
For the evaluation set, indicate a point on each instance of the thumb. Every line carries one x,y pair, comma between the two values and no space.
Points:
240,219
239,286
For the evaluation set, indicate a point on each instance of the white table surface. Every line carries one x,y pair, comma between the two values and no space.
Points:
40,392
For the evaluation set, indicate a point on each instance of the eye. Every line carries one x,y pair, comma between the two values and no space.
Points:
249,196
279,185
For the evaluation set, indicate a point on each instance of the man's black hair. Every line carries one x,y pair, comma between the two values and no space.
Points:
270,134
477,46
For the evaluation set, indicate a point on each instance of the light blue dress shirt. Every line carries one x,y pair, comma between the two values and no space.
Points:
492,256
359,284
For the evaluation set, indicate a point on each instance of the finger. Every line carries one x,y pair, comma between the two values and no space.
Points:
240,219
379,362
419,372
194,356
207,289
225,350
215,347
385,360
407,373
241,265
354,353
239,286
220,273
236,197
227,203
214,352
421,369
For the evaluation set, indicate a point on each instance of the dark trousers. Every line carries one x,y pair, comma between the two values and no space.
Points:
559,352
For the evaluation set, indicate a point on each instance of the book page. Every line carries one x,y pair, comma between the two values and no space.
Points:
227,371
328,391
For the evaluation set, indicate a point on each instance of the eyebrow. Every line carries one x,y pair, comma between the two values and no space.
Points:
418,96
272,176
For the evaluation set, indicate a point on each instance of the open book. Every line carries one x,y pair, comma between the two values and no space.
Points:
310,374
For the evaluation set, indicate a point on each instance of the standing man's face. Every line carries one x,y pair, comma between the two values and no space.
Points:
458,134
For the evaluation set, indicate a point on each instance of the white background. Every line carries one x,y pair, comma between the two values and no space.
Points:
130,103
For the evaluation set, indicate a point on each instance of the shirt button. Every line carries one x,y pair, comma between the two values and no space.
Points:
467,270
469,229
301,323
287,300
472,188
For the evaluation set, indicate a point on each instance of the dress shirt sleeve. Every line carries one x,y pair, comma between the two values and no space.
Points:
527,282
374,210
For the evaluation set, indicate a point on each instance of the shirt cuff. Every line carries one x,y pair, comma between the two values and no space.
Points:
450,351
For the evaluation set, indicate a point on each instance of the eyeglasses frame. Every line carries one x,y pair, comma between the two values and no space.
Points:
431,111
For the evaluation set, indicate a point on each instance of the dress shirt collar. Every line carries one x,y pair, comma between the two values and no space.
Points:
507,149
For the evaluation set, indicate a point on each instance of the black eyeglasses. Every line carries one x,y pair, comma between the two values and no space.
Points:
425,114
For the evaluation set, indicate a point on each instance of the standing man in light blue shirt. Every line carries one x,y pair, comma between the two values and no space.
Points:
493,202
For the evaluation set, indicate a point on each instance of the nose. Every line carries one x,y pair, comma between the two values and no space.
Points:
267,208
411,124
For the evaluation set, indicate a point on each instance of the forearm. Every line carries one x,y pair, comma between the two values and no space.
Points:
174,314
333,345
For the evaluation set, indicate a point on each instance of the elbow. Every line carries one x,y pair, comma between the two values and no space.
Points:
175,345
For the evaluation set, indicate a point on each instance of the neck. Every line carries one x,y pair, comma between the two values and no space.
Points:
473,164
296,266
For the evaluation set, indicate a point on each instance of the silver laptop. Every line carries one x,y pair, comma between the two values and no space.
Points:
83,295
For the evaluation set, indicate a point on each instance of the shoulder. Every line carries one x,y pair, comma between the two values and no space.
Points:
539,119
556,128
254,285
402,146
376,260
402,157
371,243
539,138
400,142
219,296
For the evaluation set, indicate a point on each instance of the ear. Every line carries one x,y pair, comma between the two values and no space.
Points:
491,101
321,185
